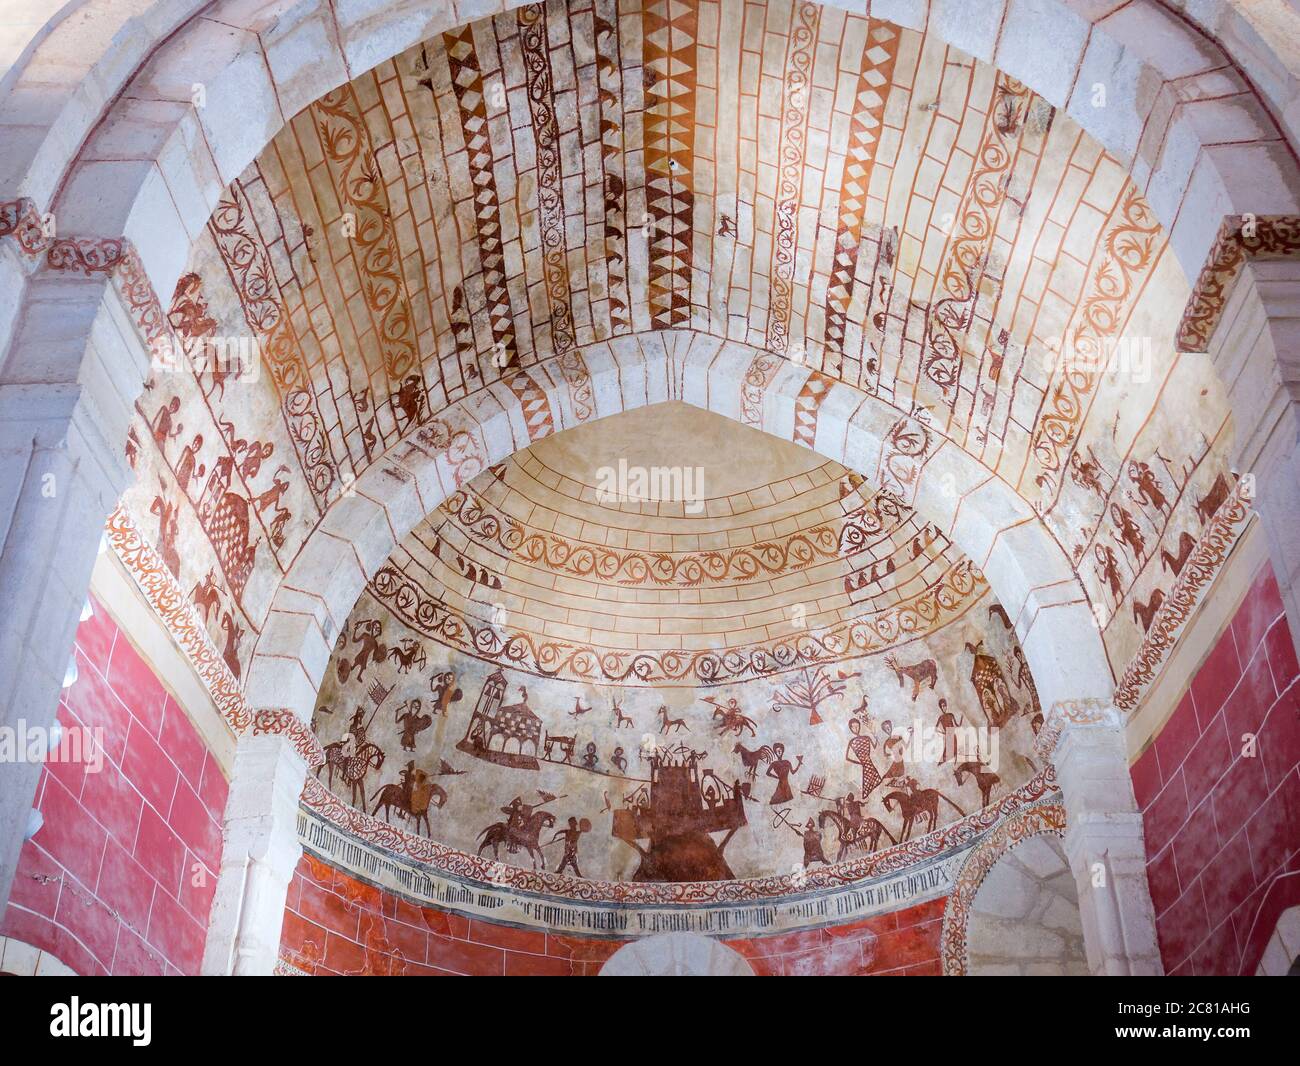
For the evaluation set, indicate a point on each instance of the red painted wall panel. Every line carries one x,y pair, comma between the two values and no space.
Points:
120,878
335,924
1222,823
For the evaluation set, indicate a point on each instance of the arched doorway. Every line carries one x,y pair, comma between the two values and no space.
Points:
676,955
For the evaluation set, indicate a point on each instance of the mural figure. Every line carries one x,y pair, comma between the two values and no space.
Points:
812,843
413,723
1130,534
914,803
188,466
1144,613
1148,488
167,530
1207,505
985,779
892,749
752,759
730,719
570,837
621,719
412,797
926,671
234,634
991,687
946,726
366,633
782,769
445,692
669,724
1186,542
1108,569
408,653
859,751
223,514
206,596
354,757
853,830
523,826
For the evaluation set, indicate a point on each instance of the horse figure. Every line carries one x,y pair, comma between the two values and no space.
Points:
916,803
411,799
985,779
865,835
733,721
352,766
525,836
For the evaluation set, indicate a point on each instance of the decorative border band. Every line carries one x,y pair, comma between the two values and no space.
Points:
1241,237
1041,818
1207,558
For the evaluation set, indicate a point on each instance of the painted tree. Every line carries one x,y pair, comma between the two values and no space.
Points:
808,691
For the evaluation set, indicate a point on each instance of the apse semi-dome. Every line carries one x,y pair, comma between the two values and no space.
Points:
779,667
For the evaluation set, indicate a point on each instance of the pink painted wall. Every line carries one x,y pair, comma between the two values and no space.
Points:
120,878
1223,830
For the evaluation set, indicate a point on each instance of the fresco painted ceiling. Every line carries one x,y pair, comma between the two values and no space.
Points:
493,206
535,638
825,187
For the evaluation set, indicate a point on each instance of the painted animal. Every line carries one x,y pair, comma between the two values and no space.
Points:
525,836
1207,505
918,674
412,800
918,803
985,779
352,765
1143,613
168,526
407,655
234,634
206,596
730,720
866,836
1186,542
578,709
669,724
621,719
752,759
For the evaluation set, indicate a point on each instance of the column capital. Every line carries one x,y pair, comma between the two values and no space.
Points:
1074,715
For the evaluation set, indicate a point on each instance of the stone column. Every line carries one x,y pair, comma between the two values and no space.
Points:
260,851
1249,325
67,385
1103,837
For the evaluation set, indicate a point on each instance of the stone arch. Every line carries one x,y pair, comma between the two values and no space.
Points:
131,170
1026,567
260,65
1025,915
1045,818
676,955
